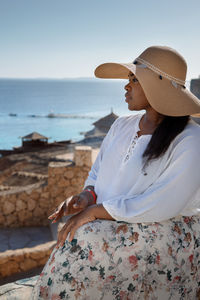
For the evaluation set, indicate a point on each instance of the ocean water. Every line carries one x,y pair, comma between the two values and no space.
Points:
78,103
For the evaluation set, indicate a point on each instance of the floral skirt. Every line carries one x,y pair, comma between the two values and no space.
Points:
116,260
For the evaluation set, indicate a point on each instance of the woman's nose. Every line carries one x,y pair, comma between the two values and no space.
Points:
127,87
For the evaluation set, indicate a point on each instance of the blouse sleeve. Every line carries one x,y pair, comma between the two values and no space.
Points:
168,195
95,167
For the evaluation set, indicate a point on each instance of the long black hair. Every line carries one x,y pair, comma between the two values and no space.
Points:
163,135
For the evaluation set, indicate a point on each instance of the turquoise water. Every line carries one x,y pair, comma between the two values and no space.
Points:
83,101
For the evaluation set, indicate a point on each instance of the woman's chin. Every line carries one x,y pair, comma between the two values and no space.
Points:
130,107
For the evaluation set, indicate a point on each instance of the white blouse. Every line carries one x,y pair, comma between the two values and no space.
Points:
169,186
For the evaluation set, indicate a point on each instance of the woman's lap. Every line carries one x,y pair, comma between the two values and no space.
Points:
117,260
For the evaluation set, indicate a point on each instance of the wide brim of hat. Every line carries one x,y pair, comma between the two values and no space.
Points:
162,95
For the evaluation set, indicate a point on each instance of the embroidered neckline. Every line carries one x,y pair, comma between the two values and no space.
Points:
131,147
134,140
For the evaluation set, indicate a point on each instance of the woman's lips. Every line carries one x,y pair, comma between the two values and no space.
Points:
127,97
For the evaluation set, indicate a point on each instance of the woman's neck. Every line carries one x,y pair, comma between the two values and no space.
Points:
150,121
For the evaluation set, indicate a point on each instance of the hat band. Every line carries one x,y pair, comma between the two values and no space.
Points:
158,71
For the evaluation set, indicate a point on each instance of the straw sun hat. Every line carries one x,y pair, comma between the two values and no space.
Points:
161,72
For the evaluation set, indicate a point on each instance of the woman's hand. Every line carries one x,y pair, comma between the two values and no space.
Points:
73,224
72,205
90,214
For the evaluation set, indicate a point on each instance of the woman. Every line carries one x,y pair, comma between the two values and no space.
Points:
146,172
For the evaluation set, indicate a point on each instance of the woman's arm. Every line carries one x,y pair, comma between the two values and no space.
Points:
95,167
168,195
90,214
100,212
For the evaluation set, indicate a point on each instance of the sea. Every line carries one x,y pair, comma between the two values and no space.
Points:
60,109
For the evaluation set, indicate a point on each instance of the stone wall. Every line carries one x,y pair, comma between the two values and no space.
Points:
25,206
67,179
31,205
22,260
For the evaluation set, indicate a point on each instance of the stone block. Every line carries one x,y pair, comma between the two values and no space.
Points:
69,174
17,255
86,169
45,194
83,156
31,204
5,256
78,181
20,205
63,182
11,219
28,264
58,170
42,261
24,196
70,191
45,188
35,195
40,251
9,268
43,203
51,181
8,208
24,216
55,191
12,198
38,212
2,218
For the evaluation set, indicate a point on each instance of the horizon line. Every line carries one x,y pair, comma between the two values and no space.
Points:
57,78
66,78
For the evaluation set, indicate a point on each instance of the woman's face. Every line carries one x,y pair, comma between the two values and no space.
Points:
135,96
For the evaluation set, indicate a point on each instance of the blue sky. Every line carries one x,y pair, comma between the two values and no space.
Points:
69,38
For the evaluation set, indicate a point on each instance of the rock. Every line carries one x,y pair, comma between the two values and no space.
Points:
4,256
23,196
9,268
24,215
69,174
70,191
12,218
37,254
12,198
55,191
78,181
58,170
40,251
43,203
35,195
31,204
51,181
45,195
18,255
2,218
20,205
38,212
63,182
83,156
8,208
42,261
28,264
